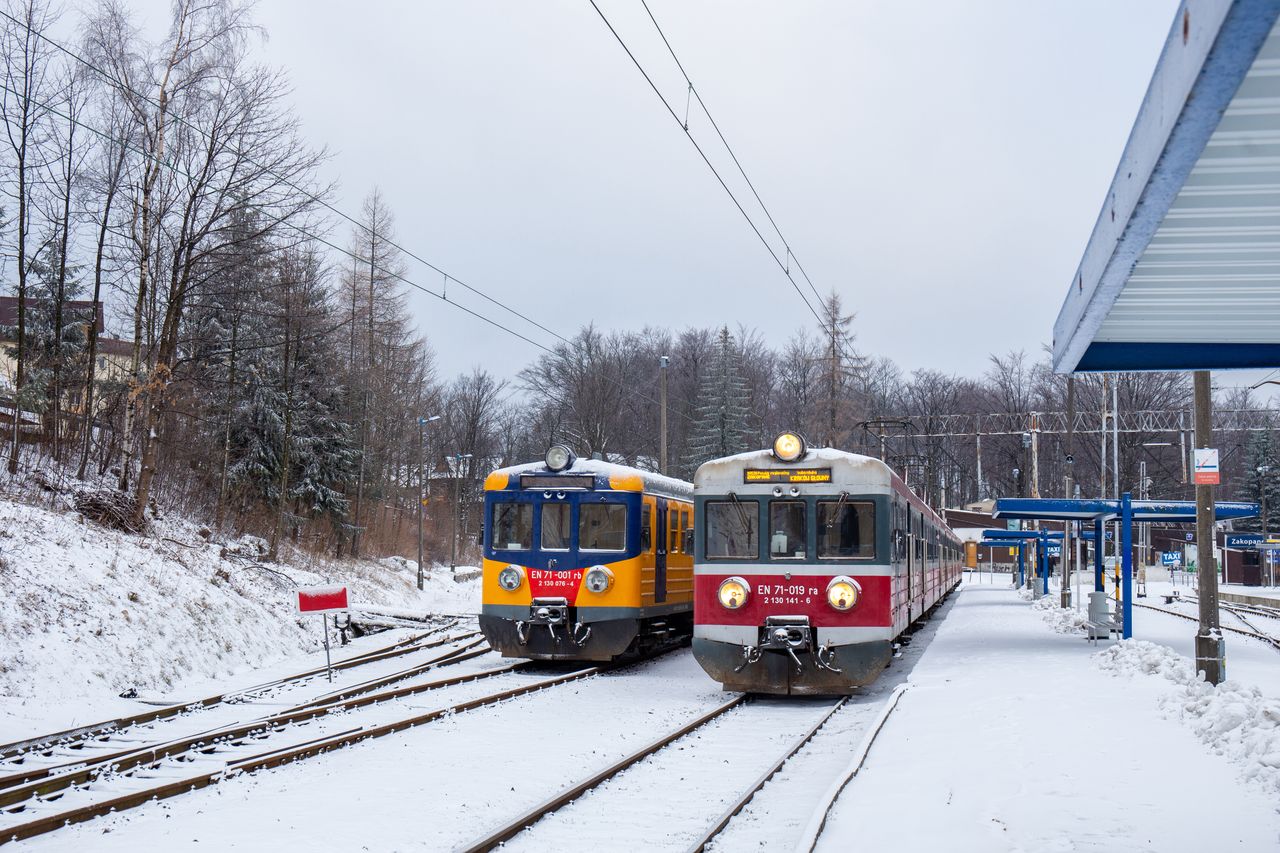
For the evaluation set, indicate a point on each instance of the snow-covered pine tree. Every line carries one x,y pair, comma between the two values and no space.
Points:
1261,474
722,421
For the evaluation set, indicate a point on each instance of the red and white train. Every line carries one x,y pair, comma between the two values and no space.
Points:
808,564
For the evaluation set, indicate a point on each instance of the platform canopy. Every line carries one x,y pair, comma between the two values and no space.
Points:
1061,509
1182,270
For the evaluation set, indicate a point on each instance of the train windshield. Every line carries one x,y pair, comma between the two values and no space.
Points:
787,529
602,527
846,530
556,528
731,530
513,526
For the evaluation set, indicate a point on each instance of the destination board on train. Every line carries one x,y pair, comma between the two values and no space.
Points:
786,475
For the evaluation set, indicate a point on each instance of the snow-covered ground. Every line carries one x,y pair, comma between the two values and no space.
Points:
1015,736
87,613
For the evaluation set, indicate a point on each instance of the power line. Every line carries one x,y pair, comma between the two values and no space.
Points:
782,266
321,240
729,148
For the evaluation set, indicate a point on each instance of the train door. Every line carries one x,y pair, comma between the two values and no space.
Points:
660,554
911,560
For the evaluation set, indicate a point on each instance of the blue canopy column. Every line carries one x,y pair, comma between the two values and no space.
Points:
1010,543
1023,538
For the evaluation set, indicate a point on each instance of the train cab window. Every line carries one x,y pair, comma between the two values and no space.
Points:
846,530
788,530
687,544
512,526
556,529
602,527
732,530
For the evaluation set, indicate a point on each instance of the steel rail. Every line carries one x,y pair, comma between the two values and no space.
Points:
746,797
1272,641
19,787
275,758
818,821
69,737
514,827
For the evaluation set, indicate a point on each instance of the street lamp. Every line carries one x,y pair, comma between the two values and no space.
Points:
422,427
457,500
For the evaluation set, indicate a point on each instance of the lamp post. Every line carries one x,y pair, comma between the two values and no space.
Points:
422,432
457,501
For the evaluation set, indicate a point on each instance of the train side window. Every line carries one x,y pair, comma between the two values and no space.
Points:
688,540
513,526
556,529
646,528
846,530
788,529
602,527
673,531
732,530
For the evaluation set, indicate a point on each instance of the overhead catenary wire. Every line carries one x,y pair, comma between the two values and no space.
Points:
707,160
707,112
311,196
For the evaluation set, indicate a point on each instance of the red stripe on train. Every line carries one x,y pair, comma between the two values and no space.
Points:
772,595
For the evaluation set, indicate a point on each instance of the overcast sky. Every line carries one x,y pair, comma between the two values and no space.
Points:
940,165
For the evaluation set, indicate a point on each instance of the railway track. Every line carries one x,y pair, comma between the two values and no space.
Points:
89,738
1266,638
512,829
129,778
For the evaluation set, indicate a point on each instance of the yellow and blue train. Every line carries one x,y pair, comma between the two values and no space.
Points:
585,560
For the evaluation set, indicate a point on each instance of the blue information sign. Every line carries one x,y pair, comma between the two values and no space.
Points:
1170,558
1243,540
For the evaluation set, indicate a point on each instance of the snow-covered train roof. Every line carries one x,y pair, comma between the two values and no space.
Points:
653,483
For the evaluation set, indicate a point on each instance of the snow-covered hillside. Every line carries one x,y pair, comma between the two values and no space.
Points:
87,612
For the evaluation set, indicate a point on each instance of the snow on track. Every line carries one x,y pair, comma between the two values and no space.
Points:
669,799
434,787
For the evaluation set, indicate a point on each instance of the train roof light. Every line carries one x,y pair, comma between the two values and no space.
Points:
789,447
559,457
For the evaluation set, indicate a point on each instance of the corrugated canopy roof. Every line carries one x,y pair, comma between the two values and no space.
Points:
1182,271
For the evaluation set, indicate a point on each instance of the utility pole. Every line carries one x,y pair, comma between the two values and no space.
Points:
1068,541
977,425
422,496
1115,478
1210,647
663,361
457,502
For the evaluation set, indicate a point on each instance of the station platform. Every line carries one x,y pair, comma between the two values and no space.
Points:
1016,737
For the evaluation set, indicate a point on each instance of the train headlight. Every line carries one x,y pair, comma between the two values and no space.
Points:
788,447
599,579
510,578
843,592
559,457
733,593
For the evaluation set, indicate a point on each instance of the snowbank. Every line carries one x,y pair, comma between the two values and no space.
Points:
1234,720
90,612
1064,620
